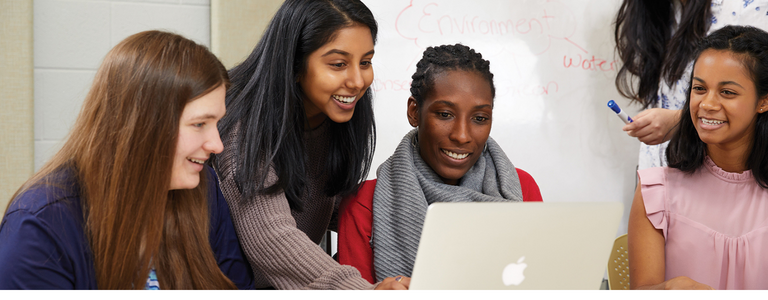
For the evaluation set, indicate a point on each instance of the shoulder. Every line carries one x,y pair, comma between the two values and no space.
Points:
653,188
57,193
524,176
363,199
528,186
49,248
656,175
45,209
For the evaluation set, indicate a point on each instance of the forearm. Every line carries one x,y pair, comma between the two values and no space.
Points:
282,254
658,286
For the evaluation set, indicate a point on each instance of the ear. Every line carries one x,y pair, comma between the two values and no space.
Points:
413,111
762,105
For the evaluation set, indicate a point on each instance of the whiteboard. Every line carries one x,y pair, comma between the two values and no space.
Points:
554,68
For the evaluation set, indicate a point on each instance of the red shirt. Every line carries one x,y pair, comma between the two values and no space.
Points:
356,220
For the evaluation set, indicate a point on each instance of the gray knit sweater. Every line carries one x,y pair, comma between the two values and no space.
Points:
282,244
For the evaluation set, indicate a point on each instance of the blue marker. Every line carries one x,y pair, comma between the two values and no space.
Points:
622,115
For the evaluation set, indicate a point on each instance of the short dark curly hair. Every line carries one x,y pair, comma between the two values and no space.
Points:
444,58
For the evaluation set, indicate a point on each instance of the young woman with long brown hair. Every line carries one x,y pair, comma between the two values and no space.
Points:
127,203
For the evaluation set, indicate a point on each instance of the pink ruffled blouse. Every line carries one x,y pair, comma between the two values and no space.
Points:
715,224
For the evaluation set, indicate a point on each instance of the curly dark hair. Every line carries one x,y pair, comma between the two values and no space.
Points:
437,60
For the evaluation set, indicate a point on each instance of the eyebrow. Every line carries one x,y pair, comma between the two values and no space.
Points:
444,102
722,82
345,53
451,104
203,117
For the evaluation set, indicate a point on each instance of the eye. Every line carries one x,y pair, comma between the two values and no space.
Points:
698,88
729,92
199,125
443,114
338,65
366,63
481,119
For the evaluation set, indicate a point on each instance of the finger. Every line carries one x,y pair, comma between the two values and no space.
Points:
394,283
406,281
398,286
645,133
638,124
642,114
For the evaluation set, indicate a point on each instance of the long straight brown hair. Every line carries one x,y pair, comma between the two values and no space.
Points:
121,149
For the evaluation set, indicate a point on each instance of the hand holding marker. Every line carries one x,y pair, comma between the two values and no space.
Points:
622,115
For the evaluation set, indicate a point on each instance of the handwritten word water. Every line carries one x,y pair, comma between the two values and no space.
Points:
587,63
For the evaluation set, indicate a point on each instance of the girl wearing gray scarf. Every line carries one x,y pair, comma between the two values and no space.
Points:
448,157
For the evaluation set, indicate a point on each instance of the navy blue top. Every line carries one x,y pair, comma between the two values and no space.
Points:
43,243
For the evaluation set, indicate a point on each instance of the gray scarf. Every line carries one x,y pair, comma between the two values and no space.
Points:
406,185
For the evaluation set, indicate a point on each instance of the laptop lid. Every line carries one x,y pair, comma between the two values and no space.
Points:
538,245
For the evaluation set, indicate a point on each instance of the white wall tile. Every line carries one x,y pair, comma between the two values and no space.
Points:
70,34
44,150
151,1
197,2
71,39
39,86
192,22
59,95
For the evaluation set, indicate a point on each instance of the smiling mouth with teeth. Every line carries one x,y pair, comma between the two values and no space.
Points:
342,99
197,161
711,122
455,155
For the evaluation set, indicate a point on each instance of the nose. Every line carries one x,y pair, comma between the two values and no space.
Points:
710,102
213,143
460,132
355,80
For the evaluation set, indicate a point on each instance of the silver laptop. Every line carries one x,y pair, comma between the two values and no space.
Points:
529,246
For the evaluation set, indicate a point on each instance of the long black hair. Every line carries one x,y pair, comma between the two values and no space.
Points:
439,59
265,105
649,50
686,150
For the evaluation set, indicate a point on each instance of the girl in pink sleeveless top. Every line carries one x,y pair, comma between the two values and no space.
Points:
702,222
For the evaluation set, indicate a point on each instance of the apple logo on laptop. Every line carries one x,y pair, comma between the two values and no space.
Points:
513,273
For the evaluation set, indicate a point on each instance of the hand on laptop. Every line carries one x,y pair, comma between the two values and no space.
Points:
394,283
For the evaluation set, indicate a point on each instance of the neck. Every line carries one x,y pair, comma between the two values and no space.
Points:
314,115
732,160
314,121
